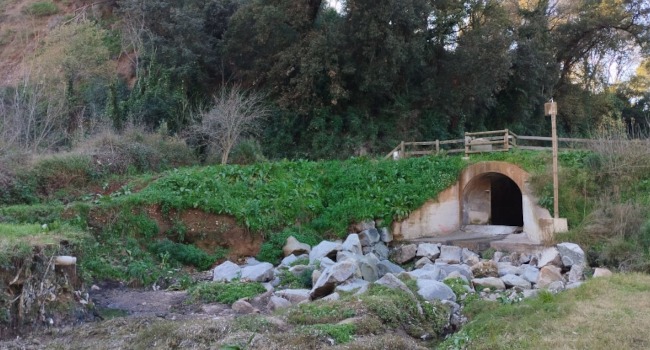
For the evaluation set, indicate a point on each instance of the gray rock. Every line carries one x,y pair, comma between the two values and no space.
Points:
571,254
524,258
511,280
386,266
333,276
226,272
389,280
352,244
530,273
270,286
356,285
549,256
576,273
250,261
446,269
332,297
602,272
288,260
506,268
555,287
455,275
322,250
428,272
423,261
404,253
469,257
529,293
262,272
428,250
295,296
547,275
277,303
369,237
346,255
380,250
385,235
489,282
243,307
368,267
298,269
573,285
496,257
326,263
315,275
293,246
433,290
450,254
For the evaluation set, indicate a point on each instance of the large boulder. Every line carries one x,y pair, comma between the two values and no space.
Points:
434,290
368,267
262,272
571,254
576,274
549,274
549,256
506,268
243,307
226,272
277,303
450,254
324,249
385,235
423,261
352,244
293,246
447,269
530,273
489,282
389,280
369,237
428,250
386,266
427,272
511,280
333,276
380,250
404,253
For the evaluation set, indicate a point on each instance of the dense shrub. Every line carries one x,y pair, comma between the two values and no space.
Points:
185,254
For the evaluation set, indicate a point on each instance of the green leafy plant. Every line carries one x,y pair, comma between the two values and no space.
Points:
226,293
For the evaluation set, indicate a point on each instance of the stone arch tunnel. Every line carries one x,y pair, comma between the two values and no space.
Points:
492,199
487,193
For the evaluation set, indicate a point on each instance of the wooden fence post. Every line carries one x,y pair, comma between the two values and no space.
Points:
437,147
402,153
466,146
506,141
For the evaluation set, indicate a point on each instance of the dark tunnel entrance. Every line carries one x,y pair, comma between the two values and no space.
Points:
492,199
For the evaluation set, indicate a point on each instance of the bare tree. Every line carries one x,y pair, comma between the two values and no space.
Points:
235,112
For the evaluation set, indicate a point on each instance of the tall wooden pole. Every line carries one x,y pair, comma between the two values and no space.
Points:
556,205
551,109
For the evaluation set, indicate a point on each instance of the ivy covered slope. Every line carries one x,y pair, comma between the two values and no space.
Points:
324,197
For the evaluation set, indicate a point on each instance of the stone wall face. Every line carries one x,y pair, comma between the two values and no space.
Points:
468,203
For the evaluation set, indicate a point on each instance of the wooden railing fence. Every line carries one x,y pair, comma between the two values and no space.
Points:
489,141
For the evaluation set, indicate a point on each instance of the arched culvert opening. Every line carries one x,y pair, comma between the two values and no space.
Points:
492,199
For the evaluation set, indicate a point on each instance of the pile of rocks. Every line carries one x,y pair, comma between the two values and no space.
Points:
364,258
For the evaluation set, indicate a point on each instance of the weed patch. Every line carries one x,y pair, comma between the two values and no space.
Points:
225,293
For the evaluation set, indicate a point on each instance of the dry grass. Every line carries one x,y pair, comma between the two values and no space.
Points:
604,313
